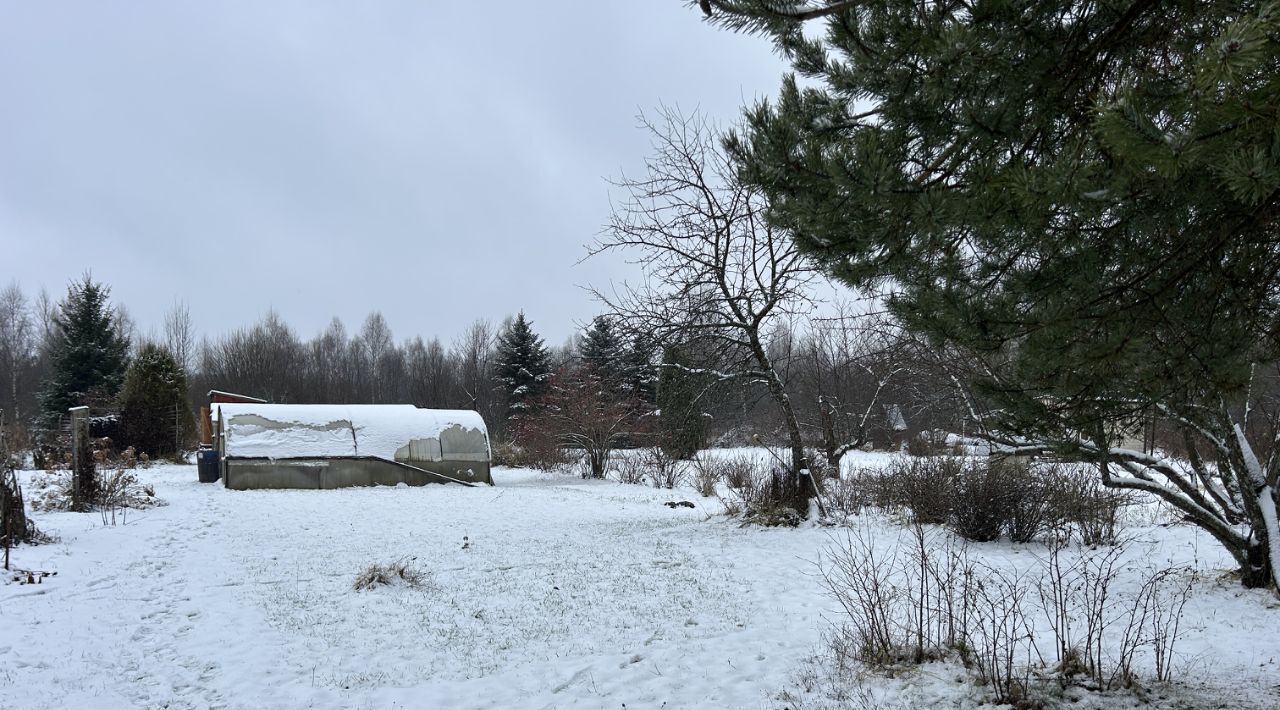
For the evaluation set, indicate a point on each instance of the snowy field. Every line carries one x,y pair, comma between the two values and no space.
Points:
542,592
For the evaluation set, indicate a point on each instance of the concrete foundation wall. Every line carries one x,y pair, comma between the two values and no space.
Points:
252,473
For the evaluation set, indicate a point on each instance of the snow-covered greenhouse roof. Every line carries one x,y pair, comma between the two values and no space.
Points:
392,431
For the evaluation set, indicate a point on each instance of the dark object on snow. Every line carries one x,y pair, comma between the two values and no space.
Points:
207,465
679,504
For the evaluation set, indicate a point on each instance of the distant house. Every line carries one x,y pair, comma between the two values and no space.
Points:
896,426
338,445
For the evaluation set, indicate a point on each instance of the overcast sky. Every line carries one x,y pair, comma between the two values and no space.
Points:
438,162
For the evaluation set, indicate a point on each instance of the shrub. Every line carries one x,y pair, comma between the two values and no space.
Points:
665,471
846,496
505,454
754,491
706,475
120,492
984,495
397,573
630,467
117,491
926,486
1082,505
928,443
538,448
933,602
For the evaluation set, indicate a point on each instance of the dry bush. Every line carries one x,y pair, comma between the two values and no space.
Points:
925,486
1080,504
931,602
877,487
737,471
630,467
928,443
845,496
986,493
120,492
664,470
1030,510
706,474
398,573
754,491
505,454
771,499
538,448
982,498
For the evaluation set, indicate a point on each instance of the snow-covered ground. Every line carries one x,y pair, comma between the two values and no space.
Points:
543,592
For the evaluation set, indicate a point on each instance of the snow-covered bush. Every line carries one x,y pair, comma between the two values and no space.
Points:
758,493
117,491
121,491
397,573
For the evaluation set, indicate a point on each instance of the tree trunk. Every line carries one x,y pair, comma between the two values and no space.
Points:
797,491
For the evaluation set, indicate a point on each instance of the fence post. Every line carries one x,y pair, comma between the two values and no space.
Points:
79,452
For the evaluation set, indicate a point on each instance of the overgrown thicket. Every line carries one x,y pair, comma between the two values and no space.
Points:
1069,619
983,499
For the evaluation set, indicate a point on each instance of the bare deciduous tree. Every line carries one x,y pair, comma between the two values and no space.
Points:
17,347
717,270
180,335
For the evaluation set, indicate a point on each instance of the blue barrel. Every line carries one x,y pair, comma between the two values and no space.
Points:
207,465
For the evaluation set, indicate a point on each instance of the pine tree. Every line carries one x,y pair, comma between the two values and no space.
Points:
1082,199
523,366
154,416
87,351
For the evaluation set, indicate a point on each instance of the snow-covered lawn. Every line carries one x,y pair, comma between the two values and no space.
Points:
542,592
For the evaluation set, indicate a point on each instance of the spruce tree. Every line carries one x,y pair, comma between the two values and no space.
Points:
681,426
640,374
87,352
1082,199
603,352
522,366
154,415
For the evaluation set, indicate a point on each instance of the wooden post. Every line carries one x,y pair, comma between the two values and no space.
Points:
79,451
206,428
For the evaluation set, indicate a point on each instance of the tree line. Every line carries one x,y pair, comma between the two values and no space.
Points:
852,383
